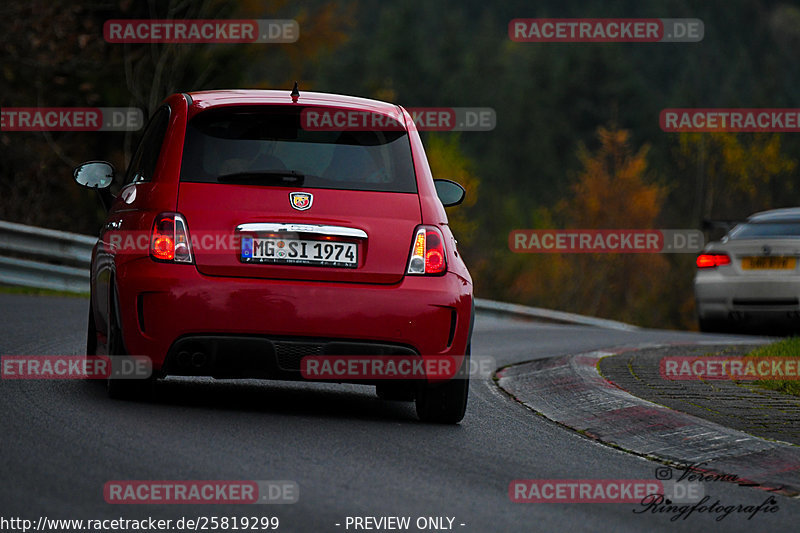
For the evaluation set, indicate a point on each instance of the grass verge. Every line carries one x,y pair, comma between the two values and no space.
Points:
789,347
9,289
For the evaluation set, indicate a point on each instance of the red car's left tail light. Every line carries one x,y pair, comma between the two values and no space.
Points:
169,241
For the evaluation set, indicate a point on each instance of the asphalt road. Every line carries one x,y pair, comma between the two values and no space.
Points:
350,453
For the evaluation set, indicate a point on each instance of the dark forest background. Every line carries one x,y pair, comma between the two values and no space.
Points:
577,142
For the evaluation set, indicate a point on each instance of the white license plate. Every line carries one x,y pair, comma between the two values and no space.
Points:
299,252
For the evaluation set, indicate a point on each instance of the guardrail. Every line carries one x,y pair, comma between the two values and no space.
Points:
44,258
539,314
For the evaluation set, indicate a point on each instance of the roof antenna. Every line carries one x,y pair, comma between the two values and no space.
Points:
295,93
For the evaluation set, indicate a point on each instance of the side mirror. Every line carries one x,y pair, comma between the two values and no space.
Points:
449,192
94,174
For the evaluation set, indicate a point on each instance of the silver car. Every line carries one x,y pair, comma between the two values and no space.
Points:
751,277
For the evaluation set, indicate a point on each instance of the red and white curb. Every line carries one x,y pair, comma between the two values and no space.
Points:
570,391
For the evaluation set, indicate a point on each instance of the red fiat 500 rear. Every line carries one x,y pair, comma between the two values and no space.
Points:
246,238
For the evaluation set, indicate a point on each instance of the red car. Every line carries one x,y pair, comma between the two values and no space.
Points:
255,228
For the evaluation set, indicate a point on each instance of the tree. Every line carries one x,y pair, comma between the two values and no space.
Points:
448,161
735,174
54,55
612,191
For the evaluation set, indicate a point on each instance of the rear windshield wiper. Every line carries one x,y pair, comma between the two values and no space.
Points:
279,176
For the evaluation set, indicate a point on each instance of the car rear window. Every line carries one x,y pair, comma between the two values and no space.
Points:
765,230
224,145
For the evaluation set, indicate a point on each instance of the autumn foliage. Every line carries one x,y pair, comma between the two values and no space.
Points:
612,191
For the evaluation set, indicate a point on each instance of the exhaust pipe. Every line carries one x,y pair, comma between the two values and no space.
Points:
198,359
184,359
736,315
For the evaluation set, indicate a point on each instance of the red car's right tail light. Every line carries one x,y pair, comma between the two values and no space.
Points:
427,252
712,260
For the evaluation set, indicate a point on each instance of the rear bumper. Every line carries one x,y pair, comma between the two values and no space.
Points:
160,304
722,297
257,356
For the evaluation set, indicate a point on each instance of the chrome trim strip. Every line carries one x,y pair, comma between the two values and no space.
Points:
318,229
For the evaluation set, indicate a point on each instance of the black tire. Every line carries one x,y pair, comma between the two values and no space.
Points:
91,342
91,334
443,403
395,392
124,389
446,403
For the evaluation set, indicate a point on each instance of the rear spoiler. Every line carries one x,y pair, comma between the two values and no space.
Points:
708,224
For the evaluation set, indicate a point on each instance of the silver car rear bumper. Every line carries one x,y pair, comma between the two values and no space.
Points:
720,296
